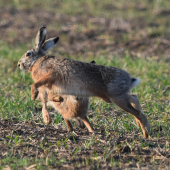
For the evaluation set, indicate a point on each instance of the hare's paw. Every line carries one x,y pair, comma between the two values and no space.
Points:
47,119
57,98
34,92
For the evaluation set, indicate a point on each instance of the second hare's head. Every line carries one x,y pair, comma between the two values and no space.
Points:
39,50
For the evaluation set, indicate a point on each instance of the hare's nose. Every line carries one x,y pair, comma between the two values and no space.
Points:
18,64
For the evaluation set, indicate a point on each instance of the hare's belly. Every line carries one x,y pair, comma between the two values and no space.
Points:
72,90
75,88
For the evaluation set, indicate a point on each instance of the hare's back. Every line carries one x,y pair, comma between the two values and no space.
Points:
97,74
70,70
92,74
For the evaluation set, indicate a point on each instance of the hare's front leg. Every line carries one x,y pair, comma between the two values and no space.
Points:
47,81
45,113
34,92
46,116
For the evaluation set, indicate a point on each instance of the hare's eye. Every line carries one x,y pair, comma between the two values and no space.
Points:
28,54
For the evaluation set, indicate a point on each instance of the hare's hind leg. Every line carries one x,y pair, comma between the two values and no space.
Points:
80,123
137,122
135,103
87,123
69,125
46,115
130,103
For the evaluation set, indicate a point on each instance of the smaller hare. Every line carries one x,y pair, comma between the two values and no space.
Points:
69,106
65,76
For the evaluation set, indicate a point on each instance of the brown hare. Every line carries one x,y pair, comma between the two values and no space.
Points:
69,77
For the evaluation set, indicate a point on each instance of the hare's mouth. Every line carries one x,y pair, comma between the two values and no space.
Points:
23,67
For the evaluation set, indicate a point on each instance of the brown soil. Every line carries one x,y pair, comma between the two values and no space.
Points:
108,36
40,141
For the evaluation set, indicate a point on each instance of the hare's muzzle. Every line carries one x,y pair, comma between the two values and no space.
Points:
18,64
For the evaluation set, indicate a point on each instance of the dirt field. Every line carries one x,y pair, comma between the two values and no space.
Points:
111,36
81,150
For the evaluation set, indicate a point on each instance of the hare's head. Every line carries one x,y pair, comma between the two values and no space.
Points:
39,50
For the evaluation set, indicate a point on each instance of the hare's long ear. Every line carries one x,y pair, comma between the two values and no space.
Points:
49,43
40,38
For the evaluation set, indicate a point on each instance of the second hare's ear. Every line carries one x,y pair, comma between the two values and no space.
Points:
40,38
50,43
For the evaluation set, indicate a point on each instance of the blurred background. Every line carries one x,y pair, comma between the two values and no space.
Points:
91,27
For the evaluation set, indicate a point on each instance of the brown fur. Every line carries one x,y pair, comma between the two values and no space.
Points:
69,106
69,77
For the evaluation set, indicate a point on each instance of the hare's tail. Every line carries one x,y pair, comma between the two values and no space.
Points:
134,82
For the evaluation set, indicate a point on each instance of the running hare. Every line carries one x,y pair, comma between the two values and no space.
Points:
65,76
